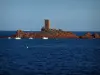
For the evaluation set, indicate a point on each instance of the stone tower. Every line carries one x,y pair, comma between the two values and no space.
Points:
47,24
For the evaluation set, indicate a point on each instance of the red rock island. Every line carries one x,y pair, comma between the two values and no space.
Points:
46,31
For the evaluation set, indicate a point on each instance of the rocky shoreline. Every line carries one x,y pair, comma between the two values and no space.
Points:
46,31
59,34
42,34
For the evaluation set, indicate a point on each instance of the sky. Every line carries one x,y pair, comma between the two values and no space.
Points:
68,15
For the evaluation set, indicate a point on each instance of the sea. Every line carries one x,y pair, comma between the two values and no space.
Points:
49,57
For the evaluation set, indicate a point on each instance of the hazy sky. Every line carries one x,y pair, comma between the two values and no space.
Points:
71,15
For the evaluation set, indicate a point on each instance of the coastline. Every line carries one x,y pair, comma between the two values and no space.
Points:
48,32
12,34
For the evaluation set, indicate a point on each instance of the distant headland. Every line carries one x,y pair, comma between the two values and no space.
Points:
46,31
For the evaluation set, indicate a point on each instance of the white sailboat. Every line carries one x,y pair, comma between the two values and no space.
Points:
17,38
30,38
45,38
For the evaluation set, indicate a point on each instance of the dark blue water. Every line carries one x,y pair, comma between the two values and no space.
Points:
50,57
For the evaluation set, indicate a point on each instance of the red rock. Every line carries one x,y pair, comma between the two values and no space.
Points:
96,35
87,36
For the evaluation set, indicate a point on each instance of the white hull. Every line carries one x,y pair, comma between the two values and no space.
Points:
45,38
17,38
30,38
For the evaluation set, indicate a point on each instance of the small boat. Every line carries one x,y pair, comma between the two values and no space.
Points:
30,38
9,37
26,46
45,38
18,38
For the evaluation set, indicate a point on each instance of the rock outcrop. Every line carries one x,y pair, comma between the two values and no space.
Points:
19,33
53,34
46,31
87,36
49,34
96,35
